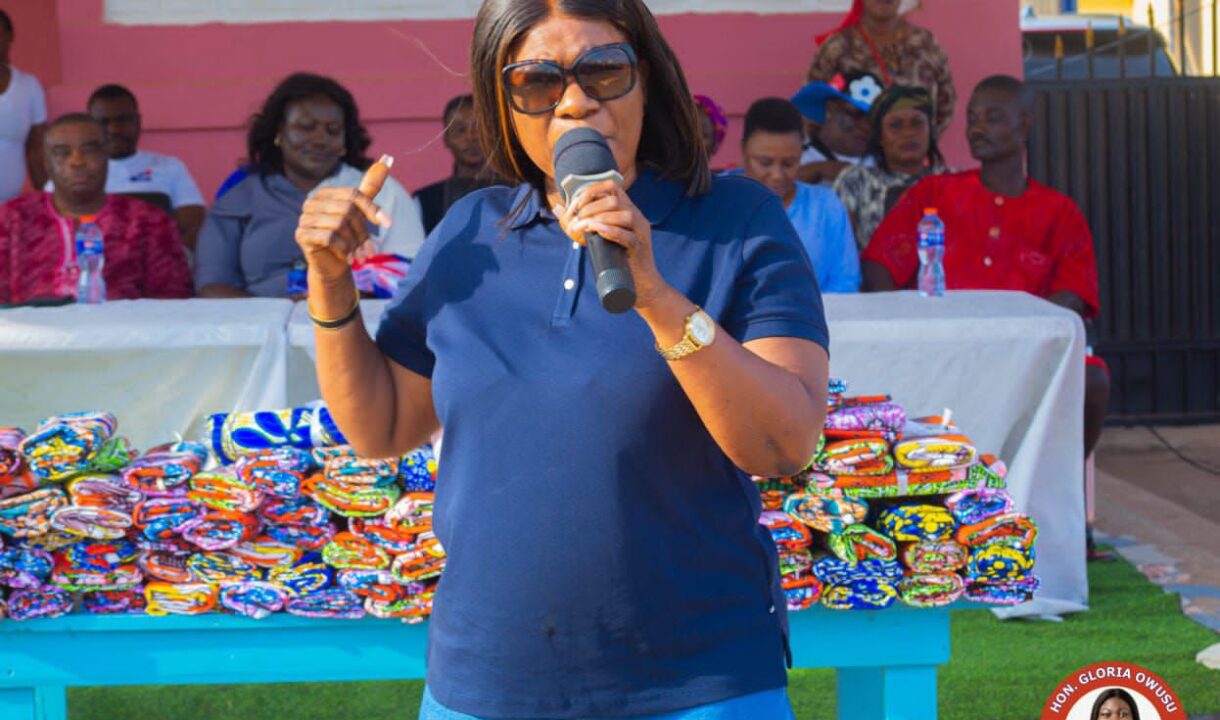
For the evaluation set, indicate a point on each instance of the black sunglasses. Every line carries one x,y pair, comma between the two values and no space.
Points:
606,72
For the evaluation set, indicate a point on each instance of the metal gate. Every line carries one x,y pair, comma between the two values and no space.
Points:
1141,157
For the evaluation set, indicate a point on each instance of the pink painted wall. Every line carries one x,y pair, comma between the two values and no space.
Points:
36,48
197,85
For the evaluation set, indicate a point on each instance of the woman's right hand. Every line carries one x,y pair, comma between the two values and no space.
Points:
332,230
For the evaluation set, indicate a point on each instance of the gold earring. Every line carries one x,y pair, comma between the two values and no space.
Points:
277,140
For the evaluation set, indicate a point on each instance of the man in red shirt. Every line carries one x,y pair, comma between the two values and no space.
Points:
1003,229
144,258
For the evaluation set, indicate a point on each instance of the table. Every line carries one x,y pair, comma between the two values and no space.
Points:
160,365
886,660
1011,367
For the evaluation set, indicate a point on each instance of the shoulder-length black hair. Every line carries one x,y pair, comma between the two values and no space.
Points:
1114,693
266,158
671,141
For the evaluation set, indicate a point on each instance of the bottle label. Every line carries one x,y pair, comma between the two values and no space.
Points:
88,243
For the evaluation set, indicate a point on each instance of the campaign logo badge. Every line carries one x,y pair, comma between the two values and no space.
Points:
1113,691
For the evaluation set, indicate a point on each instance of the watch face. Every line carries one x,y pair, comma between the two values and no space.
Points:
701,328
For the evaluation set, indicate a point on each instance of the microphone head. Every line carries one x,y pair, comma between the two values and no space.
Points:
582,153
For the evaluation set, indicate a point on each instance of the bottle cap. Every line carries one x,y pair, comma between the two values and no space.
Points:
929,211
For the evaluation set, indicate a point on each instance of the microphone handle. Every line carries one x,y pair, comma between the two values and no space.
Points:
615,286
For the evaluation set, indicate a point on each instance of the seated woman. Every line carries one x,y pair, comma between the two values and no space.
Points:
770,154
904,147
307,136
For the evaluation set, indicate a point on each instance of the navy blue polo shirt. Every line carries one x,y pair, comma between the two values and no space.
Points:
605,558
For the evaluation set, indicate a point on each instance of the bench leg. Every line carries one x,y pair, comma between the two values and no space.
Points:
51,702
18,704
905,693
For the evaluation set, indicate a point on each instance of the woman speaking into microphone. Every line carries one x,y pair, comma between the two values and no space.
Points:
594,498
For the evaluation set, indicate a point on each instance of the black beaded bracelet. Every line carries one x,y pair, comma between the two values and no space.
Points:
336,324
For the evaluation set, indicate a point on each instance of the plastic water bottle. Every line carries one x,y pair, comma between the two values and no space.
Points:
931,255
298,278
90,257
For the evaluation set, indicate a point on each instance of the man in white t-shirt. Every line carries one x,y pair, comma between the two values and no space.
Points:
139,172
23,118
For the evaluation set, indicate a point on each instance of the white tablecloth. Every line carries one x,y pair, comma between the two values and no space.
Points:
160,366
1011,367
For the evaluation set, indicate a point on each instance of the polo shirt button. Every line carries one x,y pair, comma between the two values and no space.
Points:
987,261
575,245
771,610
569,284
999,201
995,232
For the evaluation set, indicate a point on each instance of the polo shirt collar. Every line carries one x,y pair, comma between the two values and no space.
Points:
654,196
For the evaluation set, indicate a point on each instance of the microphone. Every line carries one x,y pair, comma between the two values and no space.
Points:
583,157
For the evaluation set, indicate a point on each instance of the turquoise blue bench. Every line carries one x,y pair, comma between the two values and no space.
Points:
886,661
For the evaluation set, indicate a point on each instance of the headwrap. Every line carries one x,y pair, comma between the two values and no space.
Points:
851,19
901,97
720,123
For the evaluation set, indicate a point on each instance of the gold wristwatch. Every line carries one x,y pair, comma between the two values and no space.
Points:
700,332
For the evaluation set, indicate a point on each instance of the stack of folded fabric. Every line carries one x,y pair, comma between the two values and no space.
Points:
793,540
232,435
871,450
65,445
827,512
1001,546
863,585
351,486
274,514
864,551
864,417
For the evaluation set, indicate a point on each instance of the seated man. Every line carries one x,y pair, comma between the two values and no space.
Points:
470,170
771,154
141,171
839,128
144,258
1003,230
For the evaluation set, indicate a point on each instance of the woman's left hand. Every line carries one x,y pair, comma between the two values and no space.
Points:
604,208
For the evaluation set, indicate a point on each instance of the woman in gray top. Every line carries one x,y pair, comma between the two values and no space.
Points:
307,136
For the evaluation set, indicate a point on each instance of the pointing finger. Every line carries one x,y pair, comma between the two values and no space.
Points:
374,177
372,182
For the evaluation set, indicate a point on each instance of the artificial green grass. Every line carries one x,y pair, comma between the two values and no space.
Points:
1007,670
999,671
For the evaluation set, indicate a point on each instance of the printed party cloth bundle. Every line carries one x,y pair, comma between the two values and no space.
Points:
897,510
271,513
